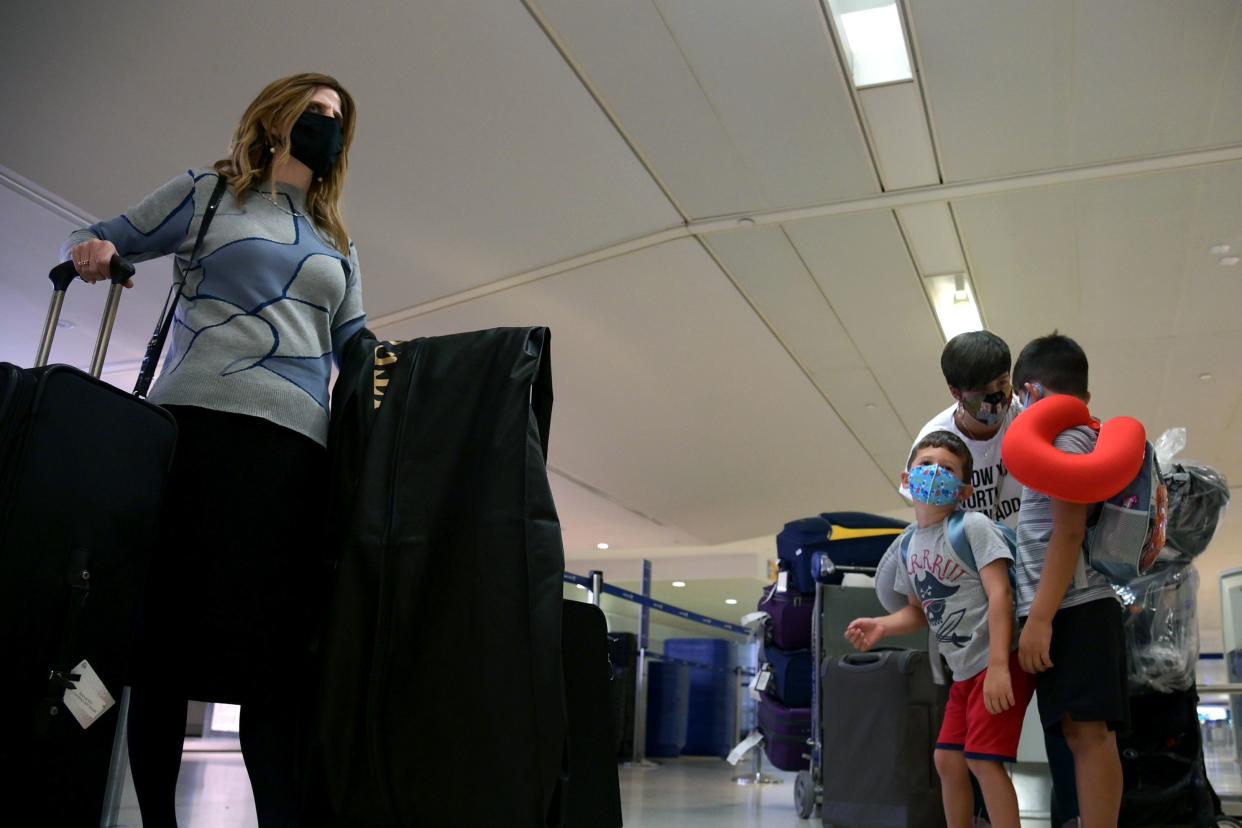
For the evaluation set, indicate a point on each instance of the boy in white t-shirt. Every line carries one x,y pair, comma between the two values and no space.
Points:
976,366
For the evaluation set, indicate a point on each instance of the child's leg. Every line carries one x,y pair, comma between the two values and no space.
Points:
1097,769
998,792
959,797
955,790
992,740
1085,696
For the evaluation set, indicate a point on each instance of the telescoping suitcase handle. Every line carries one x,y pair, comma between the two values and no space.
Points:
62,275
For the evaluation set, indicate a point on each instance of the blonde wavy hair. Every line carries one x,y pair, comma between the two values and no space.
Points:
266,125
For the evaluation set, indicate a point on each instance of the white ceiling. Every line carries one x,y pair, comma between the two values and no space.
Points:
539,162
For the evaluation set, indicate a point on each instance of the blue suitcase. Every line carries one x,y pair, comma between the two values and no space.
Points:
849,539
791,675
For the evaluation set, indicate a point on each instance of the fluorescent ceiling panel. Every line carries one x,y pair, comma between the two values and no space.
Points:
874,40
953,299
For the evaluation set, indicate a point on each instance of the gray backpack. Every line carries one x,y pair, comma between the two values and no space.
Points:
1128,531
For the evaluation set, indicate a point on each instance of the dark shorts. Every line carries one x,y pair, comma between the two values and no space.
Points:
1088,681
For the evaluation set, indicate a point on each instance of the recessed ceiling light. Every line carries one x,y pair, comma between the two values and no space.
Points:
750,222
1205,376
875,44
954,313
1229,261
65,325
730,601
1219,249
601,546
679,584
870,406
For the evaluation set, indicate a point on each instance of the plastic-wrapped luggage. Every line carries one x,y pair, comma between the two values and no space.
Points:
1198,496
1162,630
1166,783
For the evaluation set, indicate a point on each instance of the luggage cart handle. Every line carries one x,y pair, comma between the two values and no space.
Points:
62,275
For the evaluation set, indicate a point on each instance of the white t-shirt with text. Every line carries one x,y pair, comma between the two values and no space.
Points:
997,494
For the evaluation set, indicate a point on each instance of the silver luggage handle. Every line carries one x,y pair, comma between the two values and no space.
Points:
62,275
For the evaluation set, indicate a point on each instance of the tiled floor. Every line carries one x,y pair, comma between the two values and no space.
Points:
686,793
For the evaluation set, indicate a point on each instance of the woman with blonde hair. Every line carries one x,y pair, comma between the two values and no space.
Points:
268,301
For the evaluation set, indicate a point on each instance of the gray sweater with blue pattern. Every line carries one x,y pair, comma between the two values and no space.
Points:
265,309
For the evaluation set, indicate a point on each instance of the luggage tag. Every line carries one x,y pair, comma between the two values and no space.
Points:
755,621
89,699
744,747
760,682
782,581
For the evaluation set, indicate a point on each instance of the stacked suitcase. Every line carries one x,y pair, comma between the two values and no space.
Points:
785,676
848,539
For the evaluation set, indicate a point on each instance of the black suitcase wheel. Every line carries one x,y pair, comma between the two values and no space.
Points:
804,794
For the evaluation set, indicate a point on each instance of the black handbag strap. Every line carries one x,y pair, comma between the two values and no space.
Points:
156,344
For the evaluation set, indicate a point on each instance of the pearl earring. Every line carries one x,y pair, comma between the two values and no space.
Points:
272,150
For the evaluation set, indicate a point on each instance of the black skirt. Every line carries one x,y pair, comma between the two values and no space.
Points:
236,585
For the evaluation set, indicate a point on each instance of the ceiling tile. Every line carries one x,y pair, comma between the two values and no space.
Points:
1046,85
675,400
865,270
774,81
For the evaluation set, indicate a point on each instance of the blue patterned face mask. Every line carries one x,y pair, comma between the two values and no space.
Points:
934,485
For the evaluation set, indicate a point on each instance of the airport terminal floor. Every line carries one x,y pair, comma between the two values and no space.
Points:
213,792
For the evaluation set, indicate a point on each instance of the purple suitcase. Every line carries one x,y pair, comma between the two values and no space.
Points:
786,734
791,613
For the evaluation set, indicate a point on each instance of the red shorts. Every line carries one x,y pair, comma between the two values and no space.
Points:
968,726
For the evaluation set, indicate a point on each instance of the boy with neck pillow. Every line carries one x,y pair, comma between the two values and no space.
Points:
969,606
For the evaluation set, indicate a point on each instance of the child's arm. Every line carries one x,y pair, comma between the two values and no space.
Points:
865,633
997,684
1069,528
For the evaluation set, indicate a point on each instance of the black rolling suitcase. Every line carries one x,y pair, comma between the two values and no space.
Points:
593,793
881,715
82,471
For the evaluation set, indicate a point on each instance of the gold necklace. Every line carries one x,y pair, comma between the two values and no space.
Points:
280,206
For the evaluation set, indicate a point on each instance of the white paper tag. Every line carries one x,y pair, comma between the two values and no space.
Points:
90,699
782,581
763,679
755,621
744,747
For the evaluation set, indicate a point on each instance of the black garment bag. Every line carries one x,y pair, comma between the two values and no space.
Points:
442,690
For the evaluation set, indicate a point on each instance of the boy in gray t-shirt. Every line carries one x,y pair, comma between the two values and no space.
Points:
970,608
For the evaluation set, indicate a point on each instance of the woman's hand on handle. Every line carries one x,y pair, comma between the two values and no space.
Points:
93,261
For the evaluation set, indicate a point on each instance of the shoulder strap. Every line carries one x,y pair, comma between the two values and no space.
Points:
156,344
906,535
956,531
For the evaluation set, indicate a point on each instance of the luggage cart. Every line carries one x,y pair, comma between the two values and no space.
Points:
809,784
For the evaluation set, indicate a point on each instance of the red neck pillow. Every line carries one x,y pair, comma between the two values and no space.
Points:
1031,457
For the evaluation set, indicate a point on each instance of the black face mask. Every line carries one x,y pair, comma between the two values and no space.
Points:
317,141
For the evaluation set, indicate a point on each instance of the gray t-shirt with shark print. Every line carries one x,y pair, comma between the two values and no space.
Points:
952,594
